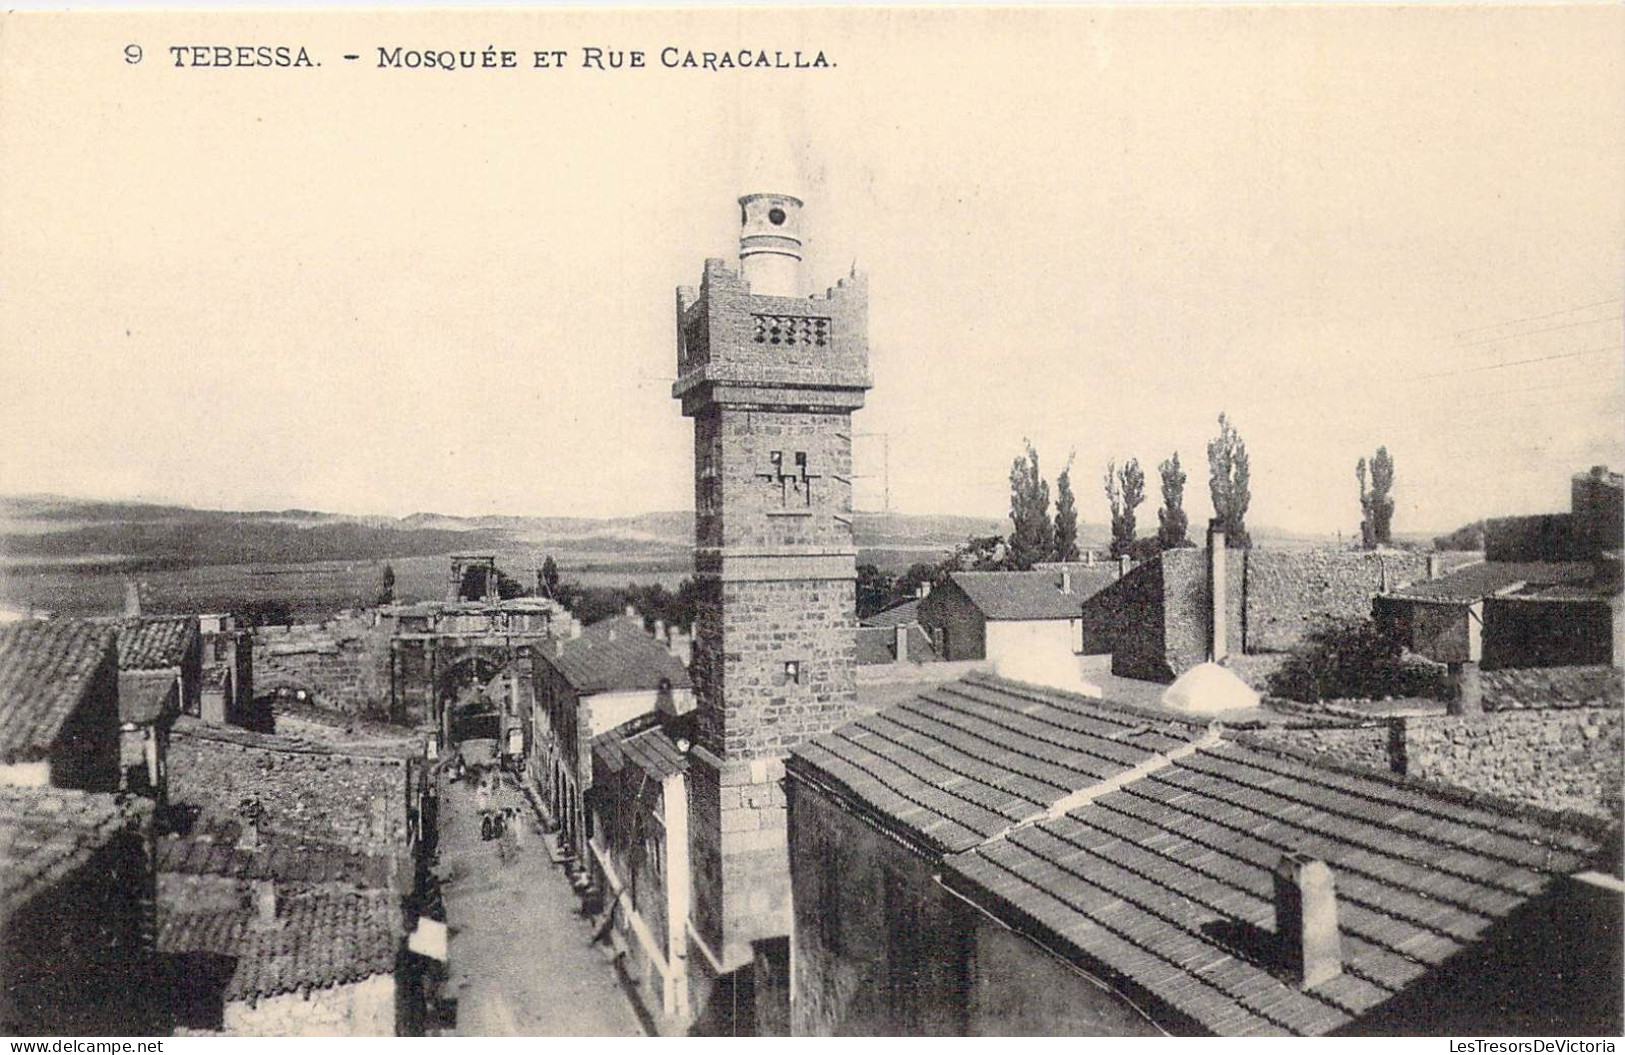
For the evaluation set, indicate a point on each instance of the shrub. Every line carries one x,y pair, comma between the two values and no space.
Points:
1353,659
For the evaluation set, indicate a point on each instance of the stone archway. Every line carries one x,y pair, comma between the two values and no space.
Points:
459,686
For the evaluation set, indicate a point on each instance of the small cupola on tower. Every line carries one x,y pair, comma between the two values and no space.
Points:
770,244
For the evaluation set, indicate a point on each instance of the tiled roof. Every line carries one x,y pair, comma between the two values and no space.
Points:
320,939
1164,886
961,762
45,833
617,655
902,612
153,642
1558,580
878,644
145,696
651,750
1033,594
46,667
211,849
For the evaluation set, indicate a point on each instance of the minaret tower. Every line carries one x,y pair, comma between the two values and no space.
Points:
771,377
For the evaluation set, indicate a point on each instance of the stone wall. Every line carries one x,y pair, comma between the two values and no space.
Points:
1366,744
359,1009
358,800
763,713
1559,760
343,663
1551,687
1156,620
1289,591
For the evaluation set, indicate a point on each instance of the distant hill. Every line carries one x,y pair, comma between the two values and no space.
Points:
44,531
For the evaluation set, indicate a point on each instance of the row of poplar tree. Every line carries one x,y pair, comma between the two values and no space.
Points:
1036,537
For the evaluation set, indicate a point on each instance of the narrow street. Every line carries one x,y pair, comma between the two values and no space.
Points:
520,959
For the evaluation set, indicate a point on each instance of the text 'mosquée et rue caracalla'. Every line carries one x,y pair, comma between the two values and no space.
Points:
672,57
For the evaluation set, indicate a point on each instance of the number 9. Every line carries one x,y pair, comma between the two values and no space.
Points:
132,53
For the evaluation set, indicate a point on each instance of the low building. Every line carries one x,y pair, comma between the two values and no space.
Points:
999,859
612,673
307,963
639,799
992,615
1548,594
76,913
59,705
167,644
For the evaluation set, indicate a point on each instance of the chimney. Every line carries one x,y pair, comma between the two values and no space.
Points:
924,590
1218,593
631,610
575,627
249,838
1123,565
685,649
902,642
1089,557
264,903
1433,565
132,597
1306,920
558,646
660,630
1066,580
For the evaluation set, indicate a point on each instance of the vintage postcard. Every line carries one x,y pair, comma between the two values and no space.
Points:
1096,520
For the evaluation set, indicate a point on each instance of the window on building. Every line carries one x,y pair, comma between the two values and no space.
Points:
792,672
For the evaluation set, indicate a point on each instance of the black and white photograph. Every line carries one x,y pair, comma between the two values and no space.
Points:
1082,520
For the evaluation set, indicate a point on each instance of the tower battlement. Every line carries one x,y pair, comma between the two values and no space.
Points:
738,346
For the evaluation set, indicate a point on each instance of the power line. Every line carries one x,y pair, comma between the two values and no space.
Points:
1536,318
1546,329
1517,362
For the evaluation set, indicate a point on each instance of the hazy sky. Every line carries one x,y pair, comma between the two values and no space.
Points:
375,290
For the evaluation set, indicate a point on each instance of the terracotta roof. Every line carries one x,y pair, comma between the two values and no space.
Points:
902,612
1547,580
320,939
153,642
46,669
878,644
145,696
45,833
651,750
211,848
1143,847
961,762
1033,594
617,655
1164,886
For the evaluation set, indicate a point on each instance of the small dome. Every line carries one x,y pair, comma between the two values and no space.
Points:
1208,689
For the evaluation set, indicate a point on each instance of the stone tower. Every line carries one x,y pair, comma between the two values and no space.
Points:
771,378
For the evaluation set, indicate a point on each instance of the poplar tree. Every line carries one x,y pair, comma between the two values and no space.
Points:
1377,503
1034,536
1066,516
1229,482
1172,523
